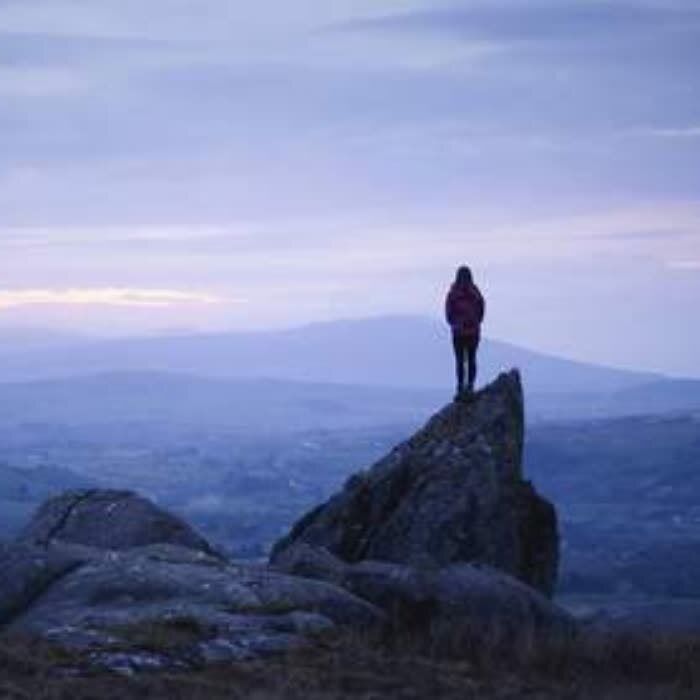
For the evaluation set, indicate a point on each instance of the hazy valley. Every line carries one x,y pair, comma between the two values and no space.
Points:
242,455
241,458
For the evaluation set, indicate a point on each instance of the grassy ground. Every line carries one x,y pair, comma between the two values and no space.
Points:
350,666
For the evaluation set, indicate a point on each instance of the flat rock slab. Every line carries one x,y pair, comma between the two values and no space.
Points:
140,600
128,586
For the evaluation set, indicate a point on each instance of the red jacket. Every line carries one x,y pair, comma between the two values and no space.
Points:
464,309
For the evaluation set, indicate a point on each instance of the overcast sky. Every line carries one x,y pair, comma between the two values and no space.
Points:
220,164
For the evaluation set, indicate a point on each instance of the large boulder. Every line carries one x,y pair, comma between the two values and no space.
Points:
115,601
448,607
108,519
454,492
128,586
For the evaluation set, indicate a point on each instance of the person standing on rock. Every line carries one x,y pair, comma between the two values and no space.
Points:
464,311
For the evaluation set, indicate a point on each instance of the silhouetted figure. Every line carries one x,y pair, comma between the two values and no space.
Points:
464,310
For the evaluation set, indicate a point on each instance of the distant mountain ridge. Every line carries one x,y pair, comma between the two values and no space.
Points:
402,352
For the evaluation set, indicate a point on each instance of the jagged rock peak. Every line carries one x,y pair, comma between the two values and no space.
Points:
108,519
454,492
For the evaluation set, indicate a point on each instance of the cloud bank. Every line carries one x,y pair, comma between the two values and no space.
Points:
339,159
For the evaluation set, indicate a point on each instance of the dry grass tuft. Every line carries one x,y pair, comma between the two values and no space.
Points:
366,665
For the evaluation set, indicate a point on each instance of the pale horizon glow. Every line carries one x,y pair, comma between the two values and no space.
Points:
108,296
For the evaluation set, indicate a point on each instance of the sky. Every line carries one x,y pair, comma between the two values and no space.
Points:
171,166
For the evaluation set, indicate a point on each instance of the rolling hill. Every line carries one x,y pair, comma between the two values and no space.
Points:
404,352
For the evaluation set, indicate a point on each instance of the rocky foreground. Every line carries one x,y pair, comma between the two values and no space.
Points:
443,539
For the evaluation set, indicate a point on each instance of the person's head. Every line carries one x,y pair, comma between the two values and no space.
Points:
464,275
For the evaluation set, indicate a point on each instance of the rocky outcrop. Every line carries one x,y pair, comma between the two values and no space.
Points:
453,493
429,540
160,597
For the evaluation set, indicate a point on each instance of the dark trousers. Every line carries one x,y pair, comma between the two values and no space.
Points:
465,347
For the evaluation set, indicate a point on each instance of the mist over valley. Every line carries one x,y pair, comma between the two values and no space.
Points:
243,454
